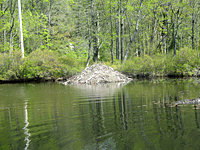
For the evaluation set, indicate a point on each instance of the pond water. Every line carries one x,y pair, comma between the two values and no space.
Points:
136,116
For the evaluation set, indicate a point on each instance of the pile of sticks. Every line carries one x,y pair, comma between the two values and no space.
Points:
98,73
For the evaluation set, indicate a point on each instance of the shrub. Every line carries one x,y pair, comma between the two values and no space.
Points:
38,64
9,64
41,64
185,62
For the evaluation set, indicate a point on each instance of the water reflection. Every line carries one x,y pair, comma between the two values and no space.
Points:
98,90
133,112
122,100
100,98
196,117
131,117
26,126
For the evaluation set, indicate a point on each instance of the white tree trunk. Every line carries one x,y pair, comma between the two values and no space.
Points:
20,26
133,37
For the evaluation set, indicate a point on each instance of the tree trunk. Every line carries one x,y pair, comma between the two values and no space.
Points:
111,28
49,20
147,44
176,32
128,25
11,40
12,10
4,35
118,31
143,46
122,38
163,34
20,26
193,21
89,53
95,46
167,39
90,43
197,41
98,39
133,37
95,28
117,39
153,32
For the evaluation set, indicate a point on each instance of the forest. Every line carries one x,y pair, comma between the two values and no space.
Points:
62,37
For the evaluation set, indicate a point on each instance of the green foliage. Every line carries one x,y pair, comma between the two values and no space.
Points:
74,64
139,65
133,65
9,65
116,65
185,63
39,65
148,64
163,64
35,32
44,27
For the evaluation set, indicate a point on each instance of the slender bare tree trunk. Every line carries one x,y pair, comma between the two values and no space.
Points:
111,28
49,20
197,41
176,32
153,32
193,24
89,53
4,35
134,35
147,44
11,39
94,28
4,30
12,10
20,26
117,38
98,39
143,45
90,42
128,25
167,39
122,36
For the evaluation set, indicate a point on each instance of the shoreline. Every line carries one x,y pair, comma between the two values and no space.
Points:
36,80
141,76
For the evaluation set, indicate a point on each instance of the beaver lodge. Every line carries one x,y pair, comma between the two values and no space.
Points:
96,74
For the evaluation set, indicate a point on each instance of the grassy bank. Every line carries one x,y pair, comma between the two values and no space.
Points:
41,65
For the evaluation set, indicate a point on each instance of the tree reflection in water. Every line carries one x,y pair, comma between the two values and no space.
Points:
26,126
135,116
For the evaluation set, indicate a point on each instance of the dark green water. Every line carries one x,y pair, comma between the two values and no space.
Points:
45,116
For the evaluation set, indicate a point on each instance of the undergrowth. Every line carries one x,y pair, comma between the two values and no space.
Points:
39,64
46,63
184,64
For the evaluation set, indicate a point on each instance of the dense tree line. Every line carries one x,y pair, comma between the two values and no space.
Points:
102,26
104,30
